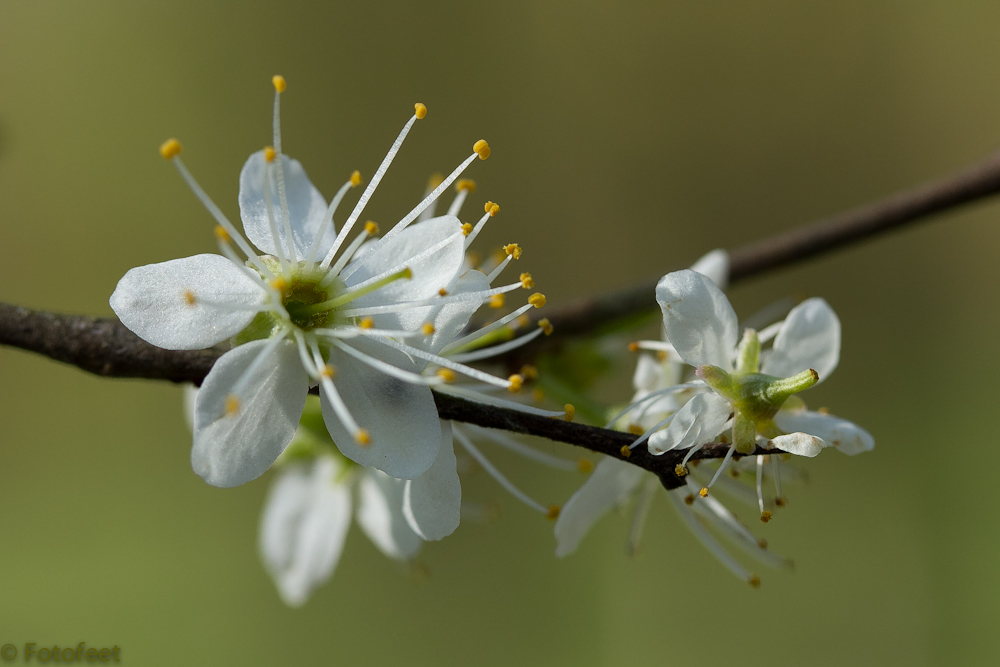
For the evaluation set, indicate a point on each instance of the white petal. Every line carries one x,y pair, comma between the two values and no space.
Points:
170,304
611,483
714,265
401,417
698,319
190,396
846,436
652,374
432,272
380,515
809,338
306,207
303,527
232,450
432,503
697,423
801,444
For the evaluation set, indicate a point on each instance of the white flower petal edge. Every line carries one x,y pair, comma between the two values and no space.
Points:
187,304
809,338
432,503
700,323
306,206
800,444
232,447
303,527
380,515
402,417
846,436
715,266
695,424
610,484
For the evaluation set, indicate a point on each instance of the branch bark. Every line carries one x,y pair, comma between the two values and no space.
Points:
105,347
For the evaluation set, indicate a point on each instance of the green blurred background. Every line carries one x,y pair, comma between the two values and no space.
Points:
628,139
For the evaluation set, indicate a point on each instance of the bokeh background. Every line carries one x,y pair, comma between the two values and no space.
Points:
628,139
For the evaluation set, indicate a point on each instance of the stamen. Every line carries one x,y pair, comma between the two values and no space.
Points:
346,256
760,480
337,403
513,249
170,148
500,267
464,187
486,399
410,261
428,213
497,301
367,323
446,374
358,292
273,223
625,451
385,367
570,412
496,474
517,447
585,466
516,382
328,223
705,537
639,516
367,194
433,301
474,231
722,466
427,329
494,350
553,512
232,405
527,282
482,149
537,299
279,83
491,208
244,379
466,229
189,297
545,326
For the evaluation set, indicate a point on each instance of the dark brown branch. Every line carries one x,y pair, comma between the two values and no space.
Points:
968,185
105,347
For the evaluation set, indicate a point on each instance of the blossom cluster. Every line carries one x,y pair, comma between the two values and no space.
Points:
373,322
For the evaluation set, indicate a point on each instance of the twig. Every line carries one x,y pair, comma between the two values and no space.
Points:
105,347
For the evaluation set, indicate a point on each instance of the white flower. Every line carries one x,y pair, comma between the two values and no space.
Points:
307,513
311,310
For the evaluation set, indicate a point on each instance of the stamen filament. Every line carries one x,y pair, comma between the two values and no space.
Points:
475,230
345,257
456,203
423,254
444,362
255,365
639,515
652,396
722,466
328,223
433,301
356,294
760,483
461,392
385,367
494,350
332,395
648,432
705,537
524,450
495,273
459,343
273,224
496,474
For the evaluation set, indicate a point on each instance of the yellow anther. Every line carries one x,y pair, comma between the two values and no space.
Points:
279,284
497,301
221,233
516,382
553,512
694,464
474,258
270,154
734,473
545,325
170,148
529,372
407,273
689,499
765,516
327,371
442,292
435,180
232,405
661,355
625,451
537,395
570,412
762,543
635,429
493,209
704,492
279,83
446,374
513,249
585,466
482,149
466,228
367,323
527,282
680,470
363,437
355,178
537,299
419,110
466,184
371,228
823,411
427,329
190,298
521,322
633,346
780,501
754,581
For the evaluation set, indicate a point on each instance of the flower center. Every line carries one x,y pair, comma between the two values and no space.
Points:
299,296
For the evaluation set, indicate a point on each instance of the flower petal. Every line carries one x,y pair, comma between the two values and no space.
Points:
696,423
432,503
652,374
401,418
715,266
846,436
232,450
801,444
809,338
170,304
698,319
431,271
380,515
306,207
611,483
303,527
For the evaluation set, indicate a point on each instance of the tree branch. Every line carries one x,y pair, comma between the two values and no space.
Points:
105,347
